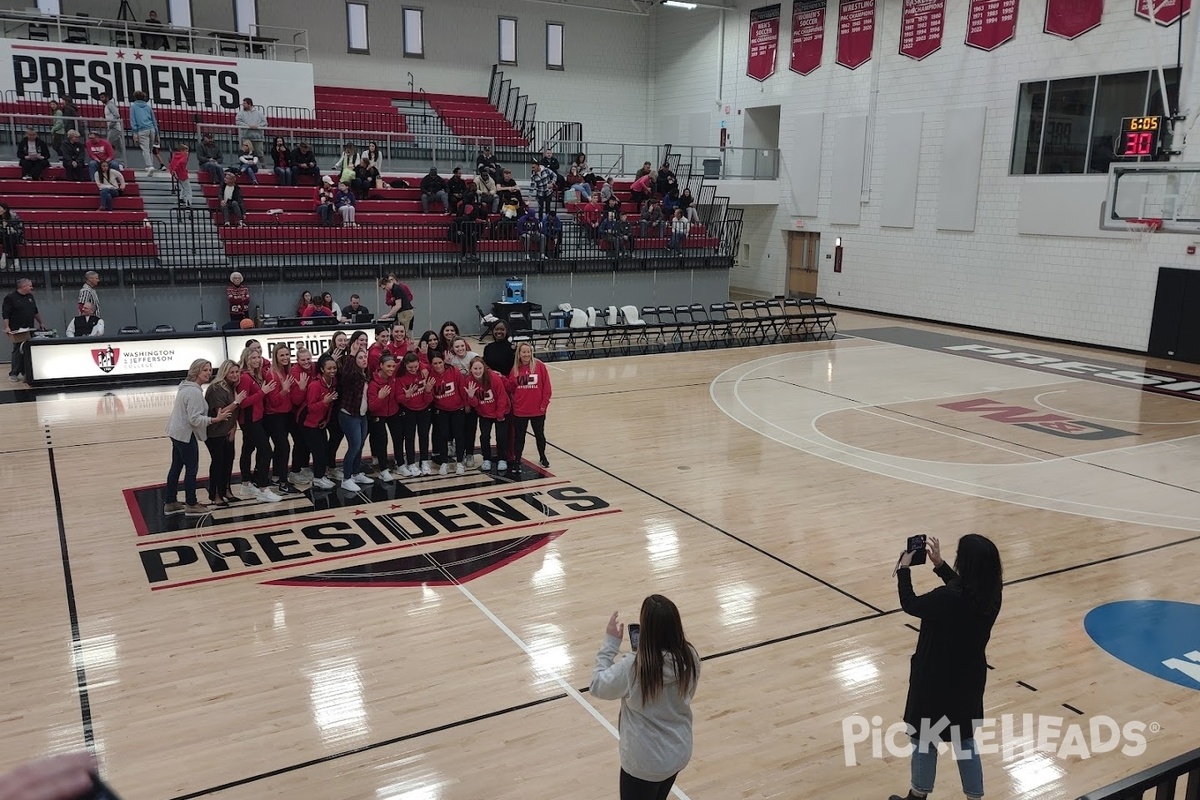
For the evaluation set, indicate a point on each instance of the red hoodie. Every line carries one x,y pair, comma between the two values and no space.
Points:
419,400
316,410
382,407
299,396
178,167
277,401
398,350
490,403
448,390
530,390
252,406
374,355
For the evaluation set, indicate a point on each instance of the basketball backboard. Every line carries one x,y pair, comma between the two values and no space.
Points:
1140,192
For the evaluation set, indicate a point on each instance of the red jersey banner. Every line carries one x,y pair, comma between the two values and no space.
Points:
991,23
856,32
1072,18
921,27
808,34
764,42
1166,12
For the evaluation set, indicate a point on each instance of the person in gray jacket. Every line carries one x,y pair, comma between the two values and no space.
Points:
187,427
252,123
655,688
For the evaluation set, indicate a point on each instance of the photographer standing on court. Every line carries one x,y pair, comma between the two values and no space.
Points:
655,688
949,668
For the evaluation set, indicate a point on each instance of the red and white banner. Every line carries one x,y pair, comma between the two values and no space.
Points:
764,42
1072,18
991,23
1166,12
856,32
921,27
808,34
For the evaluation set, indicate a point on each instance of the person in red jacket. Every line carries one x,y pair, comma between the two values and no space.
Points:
179,171
449,416
303,372
414,391
399,345
314,415
383,340
238,295
255,483
383,416
529,382
488,396
278,406
642,190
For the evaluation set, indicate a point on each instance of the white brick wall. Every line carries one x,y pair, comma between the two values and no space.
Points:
1081,289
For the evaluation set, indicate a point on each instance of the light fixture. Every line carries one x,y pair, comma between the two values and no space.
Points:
837,242
679,4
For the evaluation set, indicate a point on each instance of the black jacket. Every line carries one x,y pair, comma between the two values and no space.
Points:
948,671
432,184
237,193
500,356
550,163
38,145
304,160
74,151
20,310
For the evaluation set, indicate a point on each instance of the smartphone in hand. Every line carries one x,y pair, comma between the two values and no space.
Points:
916,546
635,633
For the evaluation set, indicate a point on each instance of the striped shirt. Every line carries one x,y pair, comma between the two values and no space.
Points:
88,295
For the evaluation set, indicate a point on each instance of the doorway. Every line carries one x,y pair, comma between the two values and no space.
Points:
803,247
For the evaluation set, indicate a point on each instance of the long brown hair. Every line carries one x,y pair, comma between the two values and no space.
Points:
486,379
662,636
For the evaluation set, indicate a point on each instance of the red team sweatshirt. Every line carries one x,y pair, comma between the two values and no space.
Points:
448,392
420,400
252,406
386,407
530,390
277,401
492,403
317,411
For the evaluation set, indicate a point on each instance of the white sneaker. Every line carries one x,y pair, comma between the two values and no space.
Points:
248,491
322,483
267,496
336,473
486,466
298,477
403,471
149,172
460,468
362,480
443,469
386,476
426,468
350,486
502,466
307,473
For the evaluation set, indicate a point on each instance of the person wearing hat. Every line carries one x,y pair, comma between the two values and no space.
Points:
208,156
433,187
238,294
324,197
304,162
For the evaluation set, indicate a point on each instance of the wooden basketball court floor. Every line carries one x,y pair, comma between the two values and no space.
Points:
434,642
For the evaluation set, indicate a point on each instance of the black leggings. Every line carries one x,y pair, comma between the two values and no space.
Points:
448,425
301,452
317,440
485,438
254,441
378,429
470,426
637,789
416,426
220,449
277,428
335,439
520,427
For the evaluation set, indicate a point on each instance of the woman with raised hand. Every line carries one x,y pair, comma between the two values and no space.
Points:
383,409
488,398
320,401
222,434
278,407
414,390
655,687
254,383
189,424
948,671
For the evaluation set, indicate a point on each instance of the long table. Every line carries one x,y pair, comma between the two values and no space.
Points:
141,357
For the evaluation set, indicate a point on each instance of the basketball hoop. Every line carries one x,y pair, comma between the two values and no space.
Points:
1143,226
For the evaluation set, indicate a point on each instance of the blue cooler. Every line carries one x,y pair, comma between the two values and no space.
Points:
514,291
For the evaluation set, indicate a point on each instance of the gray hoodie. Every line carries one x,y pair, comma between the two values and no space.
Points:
190,416
656,737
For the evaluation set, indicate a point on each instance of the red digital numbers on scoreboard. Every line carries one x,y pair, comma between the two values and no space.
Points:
1139,137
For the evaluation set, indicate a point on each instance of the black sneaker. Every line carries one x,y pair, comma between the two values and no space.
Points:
544,461
283,487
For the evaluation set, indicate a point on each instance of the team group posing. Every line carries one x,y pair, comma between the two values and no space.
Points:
295,414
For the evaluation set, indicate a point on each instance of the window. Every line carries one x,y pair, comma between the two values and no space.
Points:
357,40
414,38
245,16
508,41
179,13
1069,126
554,45
51,7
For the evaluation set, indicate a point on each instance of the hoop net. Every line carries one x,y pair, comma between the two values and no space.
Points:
1144,226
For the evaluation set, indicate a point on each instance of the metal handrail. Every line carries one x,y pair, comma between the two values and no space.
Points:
1161,778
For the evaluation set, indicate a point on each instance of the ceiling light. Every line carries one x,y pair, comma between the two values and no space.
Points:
679,4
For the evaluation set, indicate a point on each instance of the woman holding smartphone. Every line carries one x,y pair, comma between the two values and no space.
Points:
655,687
948,672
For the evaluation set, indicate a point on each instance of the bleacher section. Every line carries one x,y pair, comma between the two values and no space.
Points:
475,116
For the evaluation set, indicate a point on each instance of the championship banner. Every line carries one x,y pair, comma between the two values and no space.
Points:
764,42
921,27
38,70
1072,18
1166,12
856,32
991,23
808,34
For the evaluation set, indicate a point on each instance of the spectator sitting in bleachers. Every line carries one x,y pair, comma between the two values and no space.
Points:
304,162
99,149
652,215
487,164
324,197
468,224
74,157
433,187
12,236
343,168
679,231
552,230
343,201
670,202
248,162
641,190
251,123
508,194
208,157
456,188
541,185
593,213
230,197
366,177
485,191
665,180
86,324
645,170
33,155
582,189
70,113
373,155
550,162
282,157
581,166
111,183
612,208
619,235
607,191
529,228
686,205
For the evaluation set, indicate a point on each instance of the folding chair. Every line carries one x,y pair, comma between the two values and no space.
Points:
753,326
799,324
702,325
670,328
772,331
688,330
654,329
823,316
779,317
722,325
76,34
558,337
39,32
485,325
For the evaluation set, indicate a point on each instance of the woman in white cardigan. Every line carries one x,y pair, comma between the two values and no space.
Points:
187,427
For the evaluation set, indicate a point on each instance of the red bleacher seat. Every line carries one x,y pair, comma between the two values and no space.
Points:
13,173
75,249
77,202
91,215
9,188
91,233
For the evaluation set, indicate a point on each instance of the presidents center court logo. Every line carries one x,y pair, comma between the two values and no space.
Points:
435,531
106,358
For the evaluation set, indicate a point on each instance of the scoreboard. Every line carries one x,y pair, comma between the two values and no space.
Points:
1139,136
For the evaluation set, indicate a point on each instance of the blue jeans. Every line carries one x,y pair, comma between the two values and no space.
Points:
250,171
355,429
185,456
106,197
970,768
283,176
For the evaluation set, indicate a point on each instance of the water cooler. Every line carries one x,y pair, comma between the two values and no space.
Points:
514,290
